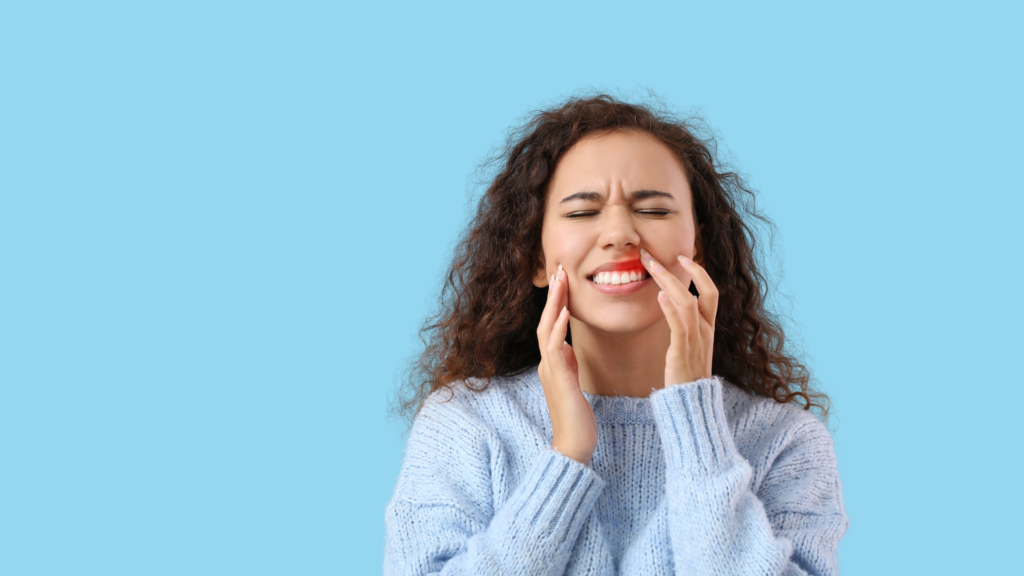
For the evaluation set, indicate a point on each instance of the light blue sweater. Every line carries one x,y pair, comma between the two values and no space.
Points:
699,478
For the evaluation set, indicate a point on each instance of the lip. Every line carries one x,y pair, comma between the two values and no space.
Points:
619,289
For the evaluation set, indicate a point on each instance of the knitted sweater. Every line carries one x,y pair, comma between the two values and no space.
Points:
698,478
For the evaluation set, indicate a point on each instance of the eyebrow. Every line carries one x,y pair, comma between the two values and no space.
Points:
638,195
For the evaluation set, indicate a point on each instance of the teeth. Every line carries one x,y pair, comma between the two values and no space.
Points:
616,278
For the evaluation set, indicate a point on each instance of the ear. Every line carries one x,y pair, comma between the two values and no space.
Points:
540,275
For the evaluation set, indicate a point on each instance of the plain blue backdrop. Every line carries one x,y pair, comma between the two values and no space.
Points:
221,225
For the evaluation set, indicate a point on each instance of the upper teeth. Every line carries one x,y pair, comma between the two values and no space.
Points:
622,277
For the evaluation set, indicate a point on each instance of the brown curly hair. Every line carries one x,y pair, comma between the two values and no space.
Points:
489,308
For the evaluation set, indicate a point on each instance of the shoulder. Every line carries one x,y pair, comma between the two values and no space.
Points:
474,403
455,439
455,415
770,433
759,420
790,450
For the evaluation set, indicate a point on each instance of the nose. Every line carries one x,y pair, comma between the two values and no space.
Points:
619,230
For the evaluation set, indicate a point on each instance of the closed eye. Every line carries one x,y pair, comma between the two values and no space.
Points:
591,213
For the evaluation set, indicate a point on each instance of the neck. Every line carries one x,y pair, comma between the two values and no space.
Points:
617,364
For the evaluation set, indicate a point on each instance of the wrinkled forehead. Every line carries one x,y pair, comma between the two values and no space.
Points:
617,164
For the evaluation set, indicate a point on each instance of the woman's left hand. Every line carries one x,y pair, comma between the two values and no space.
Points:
691,319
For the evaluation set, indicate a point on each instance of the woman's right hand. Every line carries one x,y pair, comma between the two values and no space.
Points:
572,418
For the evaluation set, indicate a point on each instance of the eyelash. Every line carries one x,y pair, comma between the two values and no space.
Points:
591,213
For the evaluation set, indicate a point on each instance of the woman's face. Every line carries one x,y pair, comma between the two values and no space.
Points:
611,195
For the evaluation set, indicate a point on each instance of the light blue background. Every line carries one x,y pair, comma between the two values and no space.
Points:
221,225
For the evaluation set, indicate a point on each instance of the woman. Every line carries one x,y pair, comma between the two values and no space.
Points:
603,390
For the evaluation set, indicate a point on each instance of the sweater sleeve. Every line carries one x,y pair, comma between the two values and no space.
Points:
440,521
717,524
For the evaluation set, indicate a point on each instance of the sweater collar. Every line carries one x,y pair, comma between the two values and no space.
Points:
610,409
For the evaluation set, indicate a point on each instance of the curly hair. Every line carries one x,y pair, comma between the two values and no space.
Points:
489,308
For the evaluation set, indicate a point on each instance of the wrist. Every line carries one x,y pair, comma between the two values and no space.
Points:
581,456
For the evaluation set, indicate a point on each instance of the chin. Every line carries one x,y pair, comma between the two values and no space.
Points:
621,321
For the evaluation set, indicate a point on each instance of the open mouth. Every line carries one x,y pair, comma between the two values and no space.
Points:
618,278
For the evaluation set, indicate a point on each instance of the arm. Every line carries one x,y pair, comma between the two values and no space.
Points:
439,519
717,524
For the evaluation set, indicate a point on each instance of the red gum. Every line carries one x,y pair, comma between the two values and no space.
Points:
619,267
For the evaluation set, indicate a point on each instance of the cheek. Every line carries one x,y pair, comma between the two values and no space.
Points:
671,242
566,247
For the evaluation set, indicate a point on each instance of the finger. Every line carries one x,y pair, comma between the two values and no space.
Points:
563,287
675,319
551,309
691,312
570,358
707,331
708,301
555,355
676,289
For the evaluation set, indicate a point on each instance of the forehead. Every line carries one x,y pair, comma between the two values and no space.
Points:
630,160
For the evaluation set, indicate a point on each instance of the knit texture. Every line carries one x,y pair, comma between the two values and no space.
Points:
699,478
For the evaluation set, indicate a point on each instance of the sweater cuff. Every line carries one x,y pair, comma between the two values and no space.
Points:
554,499
694,431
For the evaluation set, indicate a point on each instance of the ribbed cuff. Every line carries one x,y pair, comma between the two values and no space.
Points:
554,499
694,432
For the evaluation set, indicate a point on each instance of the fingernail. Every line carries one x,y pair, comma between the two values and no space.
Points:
662,297
655,266
684,260
559,273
